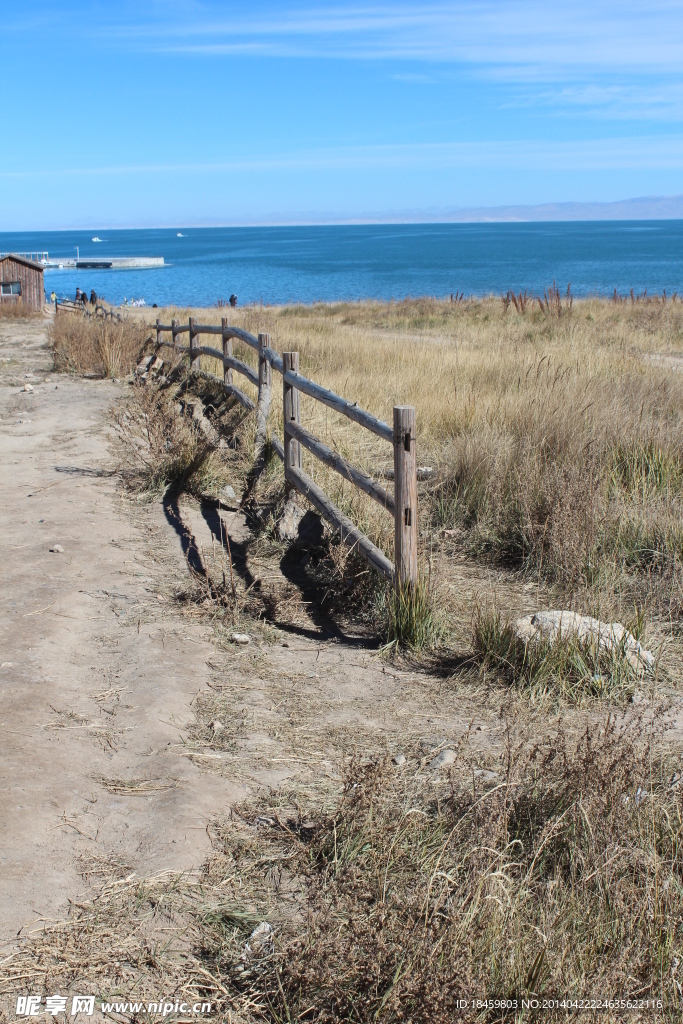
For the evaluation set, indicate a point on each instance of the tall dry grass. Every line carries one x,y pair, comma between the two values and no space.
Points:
557,434
95,346
17,311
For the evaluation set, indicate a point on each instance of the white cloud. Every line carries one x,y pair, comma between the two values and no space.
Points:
519,34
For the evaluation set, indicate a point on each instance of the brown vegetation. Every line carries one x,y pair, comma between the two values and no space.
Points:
552,871
17,311
558,440
551,866
96,346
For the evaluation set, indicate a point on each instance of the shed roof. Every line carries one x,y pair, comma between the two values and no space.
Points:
22,259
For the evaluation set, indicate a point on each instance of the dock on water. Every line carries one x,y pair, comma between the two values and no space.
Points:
90,262
106,263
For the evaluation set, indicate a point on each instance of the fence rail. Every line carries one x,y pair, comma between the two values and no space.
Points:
68,306
402,506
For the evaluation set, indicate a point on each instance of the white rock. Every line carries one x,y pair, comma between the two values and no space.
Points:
610,636
217,727
57,549
228,492
28,387
399,759
446,757
260,940
240,638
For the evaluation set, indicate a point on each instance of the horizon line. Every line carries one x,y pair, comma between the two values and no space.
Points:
640,208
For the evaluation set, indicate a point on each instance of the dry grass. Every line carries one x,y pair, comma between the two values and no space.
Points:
569,668
17,311
547,867
554,871
558,438
95,346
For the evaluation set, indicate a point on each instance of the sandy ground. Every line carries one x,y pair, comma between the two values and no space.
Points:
107,684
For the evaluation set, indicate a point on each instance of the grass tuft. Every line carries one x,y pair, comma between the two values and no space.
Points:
566,667
411,617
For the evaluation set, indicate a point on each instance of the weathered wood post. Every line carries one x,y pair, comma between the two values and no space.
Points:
227,351
174,333
195,360
290,414
405,496
158,329
265,373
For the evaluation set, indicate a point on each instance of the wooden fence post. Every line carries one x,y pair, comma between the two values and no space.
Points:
158,331
195,361
290,413
227,352
174,333
405,496
265,373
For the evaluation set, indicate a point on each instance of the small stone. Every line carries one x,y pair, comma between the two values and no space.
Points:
57,549
260,940
217,727
446,757
288,525
399,759
161,598
28,387
144,365
228,492
240,638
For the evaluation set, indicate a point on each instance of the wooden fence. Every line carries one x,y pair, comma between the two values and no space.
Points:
68,306
402,505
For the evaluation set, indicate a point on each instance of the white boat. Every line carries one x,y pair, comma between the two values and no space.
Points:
179,235
96,239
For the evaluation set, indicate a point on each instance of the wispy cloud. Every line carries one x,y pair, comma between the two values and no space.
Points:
520,34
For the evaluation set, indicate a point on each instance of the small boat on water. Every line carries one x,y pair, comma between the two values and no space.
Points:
180,235
96,239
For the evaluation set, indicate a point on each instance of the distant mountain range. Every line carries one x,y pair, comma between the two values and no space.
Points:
643,208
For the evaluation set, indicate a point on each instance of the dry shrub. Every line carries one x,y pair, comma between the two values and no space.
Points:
555,872
95,346
163,447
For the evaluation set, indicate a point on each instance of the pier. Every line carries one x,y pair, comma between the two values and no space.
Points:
105,263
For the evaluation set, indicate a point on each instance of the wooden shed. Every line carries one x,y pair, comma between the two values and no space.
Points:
21,280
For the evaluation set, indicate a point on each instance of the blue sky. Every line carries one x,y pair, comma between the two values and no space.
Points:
178,113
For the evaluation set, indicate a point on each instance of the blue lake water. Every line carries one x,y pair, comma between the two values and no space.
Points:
329,263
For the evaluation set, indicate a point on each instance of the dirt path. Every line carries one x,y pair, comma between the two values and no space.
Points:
97,681
108,688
